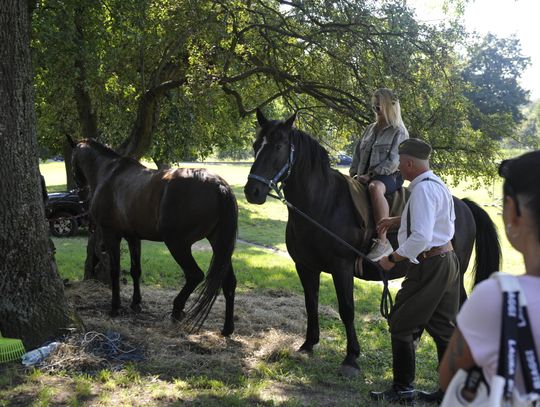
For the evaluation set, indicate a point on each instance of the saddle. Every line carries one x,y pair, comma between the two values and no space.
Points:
364,213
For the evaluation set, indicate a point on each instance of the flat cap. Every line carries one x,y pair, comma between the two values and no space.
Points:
415,148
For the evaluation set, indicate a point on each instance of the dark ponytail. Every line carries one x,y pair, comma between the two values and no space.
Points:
522,177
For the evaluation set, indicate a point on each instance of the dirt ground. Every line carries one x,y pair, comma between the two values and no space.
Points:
263,323
266,325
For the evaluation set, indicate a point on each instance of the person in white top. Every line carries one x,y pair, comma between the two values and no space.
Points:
429,295
476,339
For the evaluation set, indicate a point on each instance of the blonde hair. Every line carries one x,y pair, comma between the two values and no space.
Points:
390,107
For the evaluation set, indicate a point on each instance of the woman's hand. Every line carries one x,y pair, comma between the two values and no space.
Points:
364,179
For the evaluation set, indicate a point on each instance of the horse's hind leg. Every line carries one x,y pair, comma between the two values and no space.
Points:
228,285
135,271
181,251
229,288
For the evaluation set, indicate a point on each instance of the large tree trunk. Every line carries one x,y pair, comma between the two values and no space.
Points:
32,302
85,109
140,140
96,266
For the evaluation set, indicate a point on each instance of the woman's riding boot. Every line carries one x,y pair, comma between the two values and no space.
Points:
435,396
403,365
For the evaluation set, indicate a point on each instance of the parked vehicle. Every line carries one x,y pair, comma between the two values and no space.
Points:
66,213
343,159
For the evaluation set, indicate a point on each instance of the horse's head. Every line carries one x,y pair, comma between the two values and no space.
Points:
87,157
78,168
274,156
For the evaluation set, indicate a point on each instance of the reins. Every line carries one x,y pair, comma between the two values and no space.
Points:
386,297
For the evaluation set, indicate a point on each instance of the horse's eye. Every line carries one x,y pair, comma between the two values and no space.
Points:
278,147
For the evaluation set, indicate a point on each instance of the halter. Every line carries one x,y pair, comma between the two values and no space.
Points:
273,183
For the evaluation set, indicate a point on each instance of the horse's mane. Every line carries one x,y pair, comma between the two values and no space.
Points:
101,149
108,152
313,156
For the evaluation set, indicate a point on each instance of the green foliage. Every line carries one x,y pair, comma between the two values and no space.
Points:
528,133
495,64
492,72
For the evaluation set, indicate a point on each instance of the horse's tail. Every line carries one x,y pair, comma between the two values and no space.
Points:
226,232
488,247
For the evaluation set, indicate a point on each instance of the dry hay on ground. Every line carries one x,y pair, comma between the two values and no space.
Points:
266,325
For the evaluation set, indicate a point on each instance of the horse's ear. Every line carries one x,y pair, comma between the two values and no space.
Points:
260,118
71,141
289,122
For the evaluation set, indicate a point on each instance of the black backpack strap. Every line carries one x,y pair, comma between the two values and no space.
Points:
508,342
527,352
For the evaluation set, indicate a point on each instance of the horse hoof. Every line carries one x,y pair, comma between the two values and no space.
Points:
114,312
136,308
178,317
227,331
305,351
349,371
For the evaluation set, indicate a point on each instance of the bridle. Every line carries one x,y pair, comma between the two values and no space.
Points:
273,183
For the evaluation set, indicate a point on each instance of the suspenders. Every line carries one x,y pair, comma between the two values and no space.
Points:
409,209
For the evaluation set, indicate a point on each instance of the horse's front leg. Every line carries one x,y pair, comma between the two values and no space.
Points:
135,271
229,288
310,281
111,245
343,282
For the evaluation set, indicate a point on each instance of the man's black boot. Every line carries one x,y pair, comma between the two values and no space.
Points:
435,396
394,394
403,366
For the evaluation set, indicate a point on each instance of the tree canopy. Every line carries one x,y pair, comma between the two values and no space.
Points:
491,74
528,134
171,80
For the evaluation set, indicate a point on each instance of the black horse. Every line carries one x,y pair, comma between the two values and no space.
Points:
178,207
284,153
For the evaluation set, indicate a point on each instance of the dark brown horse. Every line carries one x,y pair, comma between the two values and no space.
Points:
291,157
178,207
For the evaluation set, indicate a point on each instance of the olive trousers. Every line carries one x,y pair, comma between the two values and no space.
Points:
428,300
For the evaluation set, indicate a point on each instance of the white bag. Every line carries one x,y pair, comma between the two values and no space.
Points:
473,380
454,395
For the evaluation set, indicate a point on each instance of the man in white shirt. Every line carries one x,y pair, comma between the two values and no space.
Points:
429,295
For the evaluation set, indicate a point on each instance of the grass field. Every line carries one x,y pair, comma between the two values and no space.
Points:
266,280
